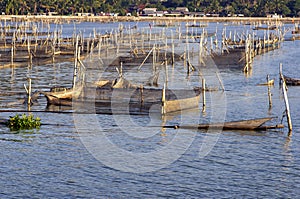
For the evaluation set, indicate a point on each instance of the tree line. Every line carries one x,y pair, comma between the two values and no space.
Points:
251,8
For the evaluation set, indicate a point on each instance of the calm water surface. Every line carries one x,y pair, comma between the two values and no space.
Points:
55,161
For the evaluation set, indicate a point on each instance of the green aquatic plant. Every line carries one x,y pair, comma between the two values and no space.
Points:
23,122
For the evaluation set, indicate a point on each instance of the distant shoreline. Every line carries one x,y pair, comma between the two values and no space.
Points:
106,19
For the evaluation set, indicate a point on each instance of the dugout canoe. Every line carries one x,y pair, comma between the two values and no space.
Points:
251,124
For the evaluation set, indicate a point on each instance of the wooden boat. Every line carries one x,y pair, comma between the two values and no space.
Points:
291,81
60,95
64,96
120,93
251,124
272,27
170,106
138,99
162,25
196,25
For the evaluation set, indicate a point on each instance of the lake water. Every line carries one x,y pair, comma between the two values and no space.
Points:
129,156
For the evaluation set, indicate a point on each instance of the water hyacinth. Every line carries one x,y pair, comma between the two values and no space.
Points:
23,122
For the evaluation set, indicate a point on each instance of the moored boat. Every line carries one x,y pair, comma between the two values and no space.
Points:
61,95
251,124
105,95
291,81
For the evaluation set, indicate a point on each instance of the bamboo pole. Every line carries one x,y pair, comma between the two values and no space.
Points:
166,68
201,48
166,47
154,58
141,92
5,31
287,107
163,100
269,92
12,56
77,50
99,47
211,45
157,56
36,39
147,57
234,36
246,69
88,44
184,57
29,93
203,96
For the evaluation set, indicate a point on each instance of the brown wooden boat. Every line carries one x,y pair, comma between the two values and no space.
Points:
251,124
138,99
170,106
272,27
62,96
291,81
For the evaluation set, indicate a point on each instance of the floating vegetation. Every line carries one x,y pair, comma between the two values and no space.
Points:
23,122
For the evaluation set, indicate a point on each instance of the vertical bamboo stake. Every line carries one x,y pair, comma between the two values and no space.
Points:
269,92
99,47
264,46
287,107
259,46
36,40
153,57
234,36
157,56
173,49
246,56
5,33
54,45
106,47
75,62
92,47
143,40
166,68
166,47
29,93
201,48
88,44
211,45
184,57
141,92
12,56
163,100
188,57
118,44
150,32
203,96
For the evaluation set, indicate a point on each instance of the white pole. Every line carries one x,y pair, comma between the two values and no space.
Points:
284,90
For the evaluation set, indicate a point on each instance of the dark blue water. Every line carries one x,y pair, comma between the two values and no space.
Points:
113,156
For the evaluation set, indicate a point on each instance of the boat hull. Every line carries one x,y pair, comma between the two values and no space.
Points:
123,100
248,125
